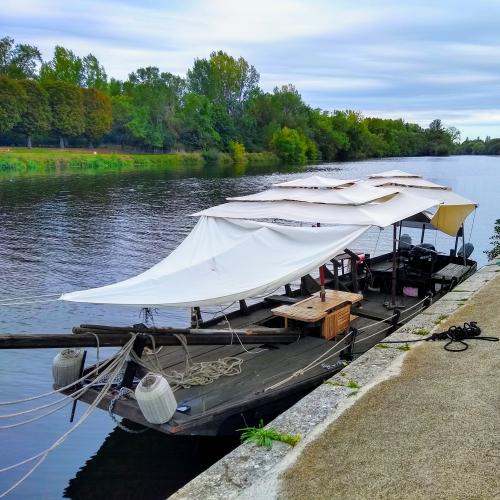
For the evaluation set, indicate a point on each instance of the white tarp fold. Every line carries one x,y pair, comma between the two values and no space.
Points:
222,261
316,182
394,173
373,214
352,195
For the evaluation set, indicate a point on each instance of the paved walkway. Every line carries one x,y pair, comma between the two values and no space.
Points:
431,432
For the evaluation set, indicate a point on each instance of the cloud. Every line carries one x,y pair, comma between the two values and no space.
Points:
415,59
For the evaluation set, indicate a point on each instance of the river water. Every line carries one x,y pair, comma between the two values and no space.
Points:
61,232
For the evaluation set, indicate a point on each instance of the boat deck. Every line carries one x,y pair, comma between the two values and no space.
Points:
263,366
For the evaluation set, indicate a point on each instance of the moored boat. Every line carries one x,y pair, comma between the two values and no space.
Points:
288,262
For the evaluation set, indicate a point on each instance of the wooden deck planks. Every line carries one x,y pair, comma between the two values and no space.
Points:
259,370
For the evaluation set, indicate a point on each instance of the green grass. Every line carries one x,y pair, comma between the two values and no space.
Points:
421,331
440,319
405,347
350,384
38,160
265,437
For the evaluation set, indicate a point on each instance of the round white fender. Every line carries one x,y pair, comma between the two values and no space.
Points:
66,367
155,398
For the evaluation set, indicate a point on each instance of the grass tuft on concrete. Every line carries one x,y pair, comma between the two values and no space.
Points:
265,437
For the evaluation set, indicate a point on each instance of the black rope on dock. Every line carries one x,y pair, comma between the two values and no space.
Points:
454,334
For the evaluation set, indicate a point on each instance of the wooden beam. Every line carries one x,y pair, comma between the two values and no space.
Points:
114,339
184,331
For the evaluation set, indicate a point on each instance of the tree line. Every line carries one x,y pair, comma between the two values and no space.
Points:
217,106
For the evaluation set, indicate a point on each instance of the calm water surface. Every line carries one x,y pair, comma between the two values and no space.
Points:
67,232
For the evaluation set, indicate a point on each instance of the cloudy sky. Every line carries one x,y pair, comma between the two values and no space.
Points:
416,59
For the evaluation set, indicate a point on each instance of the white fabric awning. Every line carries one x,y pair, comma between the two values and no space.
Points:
394,173
222,261
403,182
374,214
352,195
316,181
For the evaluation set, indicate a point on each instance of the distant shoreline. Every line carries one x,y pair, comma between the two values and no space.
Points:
46,159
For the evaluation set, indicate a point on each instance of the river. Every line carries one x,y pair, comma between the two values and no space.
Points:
62,232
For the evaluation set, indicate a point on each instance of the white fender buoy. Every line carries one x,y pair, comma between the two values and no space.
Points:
66,367
155,399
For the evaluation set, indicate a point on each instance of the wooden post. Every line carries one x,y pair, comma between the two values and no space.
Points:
322,292
348,353
336,265
128,376
80,375
243,308
394,266
423,233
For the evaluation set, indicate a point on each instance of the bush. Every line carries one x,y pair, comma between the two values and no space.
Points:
237,152
290,145
495,241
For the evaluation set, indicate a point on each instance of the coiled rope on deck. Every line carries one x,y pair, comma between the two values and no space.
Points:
195,373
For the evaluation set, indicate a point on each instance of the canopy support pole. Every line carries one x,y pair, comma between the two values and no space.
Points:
336,266
322,292
463,245
423,233
394,265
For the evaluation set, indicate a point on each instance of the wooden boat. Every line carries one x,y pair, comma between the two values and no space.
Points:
312,328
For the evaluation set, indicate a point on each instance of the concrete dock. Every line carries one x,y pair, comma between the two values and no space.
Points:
425,423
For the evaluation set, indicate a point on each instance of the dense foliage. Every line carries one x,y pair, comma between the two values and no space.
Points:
217,107
494,251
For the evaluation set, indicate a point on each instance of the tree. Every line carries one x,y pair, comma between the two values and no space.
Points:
290,145
66,104
18,61
158,97
12,103
65,66
93,74
197,123
226,81
36,117
97,114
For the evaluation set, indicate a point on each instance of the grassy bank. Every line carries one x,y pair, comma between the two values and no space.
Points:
45,159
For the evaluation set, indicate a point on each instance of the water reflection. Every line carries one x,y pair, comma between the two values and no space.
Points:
63,232
147,466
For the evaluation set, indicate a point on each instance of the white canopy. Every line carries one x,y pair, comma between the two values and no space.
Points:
316,181
397,208
223,261
403,182
393,173
356,194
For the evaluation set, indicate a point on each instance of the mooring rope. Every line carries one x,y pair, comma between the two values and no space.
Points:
454,334
55,391
120,359
24,297
313,364
70,397
195,373
14,304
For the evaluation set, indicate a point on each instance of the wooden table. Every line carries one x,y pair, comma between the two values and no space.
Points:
312,310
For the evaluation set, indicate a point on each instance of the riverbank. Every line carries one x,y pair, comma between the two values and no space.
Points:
423,424
23,160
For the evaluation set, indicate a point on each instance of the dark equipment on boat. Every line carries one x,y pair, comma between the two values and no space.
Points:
469,248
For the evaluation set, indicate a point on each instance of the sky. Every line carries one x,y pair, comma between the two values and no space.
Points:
414,59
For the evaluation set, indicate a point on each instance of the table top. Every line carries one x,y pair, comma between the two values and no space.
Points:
312,309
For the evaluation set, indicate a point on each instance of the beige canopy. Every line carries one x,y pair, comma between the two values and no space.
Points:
380,200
